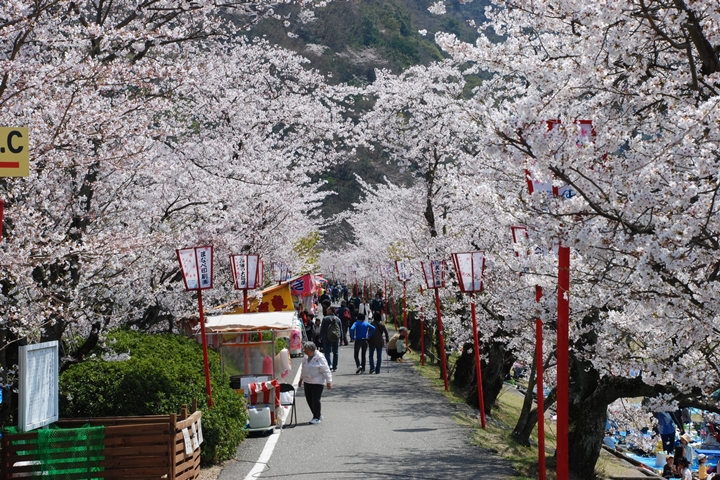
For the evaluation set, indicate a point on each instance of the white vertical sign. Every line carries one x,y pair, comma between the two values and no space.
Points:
239,264
204,259
38,388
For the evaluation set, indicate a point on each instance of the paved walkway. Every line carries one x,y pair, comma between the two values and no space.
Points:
392,425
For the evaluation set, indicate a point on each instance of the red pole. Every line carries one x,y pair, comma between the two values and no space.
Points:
478,369
422,336
2,212
208,389
540,389
405,304
394,311
385,294
245,302
441,335
563,362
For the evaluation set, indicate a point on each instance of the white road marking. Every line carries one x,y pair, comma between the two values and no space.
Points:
267,452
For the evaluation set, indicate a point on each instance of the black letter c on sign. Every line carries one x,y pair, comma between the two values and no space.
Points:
13,149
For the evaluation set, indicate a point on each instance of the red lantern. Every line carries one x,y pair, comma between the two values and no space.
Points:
196,265
434,273
247,271
470,268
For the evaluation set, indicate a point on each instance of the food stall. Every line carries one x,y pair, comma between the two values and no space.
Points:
247,346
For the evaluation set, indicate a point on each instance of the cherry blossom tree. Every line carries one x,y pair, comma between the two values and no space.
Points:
151,129
643,223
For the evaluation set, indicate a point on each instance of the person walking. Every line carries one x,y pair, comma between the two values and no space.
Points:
361,330
666,429
376,342
377,305
314,375
330,333
346,318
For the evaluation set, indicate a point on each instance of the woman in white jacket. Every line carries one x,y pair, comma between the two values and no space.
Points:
314,373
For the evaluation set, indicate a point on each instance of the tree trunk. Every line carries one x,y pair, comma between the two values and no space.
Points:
522,433
525,420
494,370
464,377
587,429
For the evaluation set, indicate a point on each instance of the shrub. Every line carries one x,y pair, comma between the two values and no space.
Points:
163,373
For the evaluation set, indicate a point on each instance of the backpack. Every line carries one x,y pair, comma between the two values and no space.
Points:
334,332
346,314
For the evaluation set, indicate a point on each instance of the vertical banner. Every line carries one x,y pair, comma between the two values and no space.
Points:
434,273
205,263
239,270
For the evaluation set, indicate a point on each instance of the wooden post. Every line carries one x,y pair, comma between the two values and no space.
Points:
173,421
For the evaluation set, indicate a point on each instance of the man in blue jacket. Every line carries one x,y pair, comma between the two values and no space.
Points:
361,330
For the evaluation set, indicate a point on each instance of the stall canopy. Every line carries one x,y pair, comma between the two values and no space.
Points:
251,322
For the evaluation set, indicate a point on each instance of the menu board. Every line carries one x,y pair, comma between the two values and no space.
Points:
38,390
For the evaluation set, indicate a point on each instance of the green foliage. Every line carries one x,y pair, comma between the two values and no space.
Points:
308,250
163,373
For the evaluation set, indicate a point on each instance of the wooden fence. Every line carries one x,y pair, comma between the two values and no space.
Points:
148,447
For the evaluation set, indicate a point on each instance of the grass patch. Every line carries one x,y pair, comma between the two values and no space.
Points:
497,437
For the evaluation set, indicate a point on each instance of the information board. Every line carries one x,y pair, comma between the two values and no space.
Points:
38,392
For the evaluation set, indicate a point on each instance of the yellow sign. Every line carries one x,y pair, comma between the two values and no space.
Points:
275,299
14,152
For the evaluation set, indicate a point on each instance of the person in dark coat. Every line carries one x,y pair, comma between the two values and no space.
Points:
377,343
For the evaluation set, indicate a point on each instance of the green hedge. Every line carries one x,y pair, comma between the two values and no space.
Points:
163,373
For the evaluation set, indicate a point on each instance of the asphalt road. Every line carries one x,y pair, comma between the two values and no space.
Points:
392,425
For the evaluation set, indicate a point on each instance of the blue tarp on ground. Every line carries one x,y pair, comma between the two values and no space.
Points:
650,461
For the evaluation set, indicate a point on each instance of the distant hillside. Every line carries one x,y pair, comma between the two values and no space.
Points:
348,40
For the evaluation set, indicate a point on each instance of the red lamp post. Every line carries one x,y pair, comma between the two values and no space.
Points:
2,213
520,237
196,265
470,268
434,272
403,273
247,271
422,336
